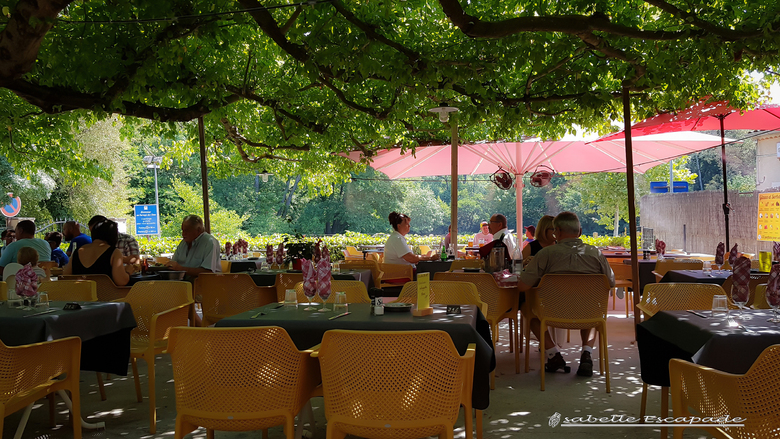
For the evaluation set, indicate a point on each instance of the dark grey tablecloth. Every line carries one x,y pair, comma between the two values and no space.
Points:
104,329
696,276
708,341
306,329
433,267
646,267
268,278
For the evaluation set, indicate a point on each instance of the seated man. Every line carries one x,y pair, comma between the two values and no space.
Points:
8,236
500,232
25,233
198,252
71,231
484,236
55,240
126,243
569,256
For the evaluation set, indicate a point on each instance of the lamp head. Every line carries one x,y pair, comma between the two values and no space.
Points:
444,112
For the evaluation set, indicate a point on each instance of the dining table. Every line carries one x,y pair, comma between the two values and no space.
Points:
103,327
725,343
267,278
699,276
306,329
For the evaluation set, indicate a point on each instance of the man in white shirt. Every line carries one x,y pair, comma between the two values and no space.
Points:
499,231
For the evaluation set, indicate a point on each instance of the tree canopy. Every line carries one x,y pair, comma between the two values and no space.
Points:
283,86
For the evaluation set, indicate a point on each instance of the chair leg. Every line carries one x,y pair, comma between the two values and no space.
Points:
209,433
495,343
478,415
511,340
23,421
527,331
101,387
468,420
52,418
134,362
522,332
614,295
664,409
152,395
517,345
542,330
643,406
605,352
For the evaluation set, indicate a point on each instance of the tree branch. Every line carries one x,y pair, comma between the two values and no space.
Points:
239,140
276,106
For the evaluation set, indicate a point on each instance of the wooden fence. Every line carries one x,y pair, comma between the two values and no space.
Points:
700,214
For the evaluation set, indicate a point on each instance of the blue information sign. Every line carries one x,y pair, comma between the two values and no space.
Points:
146,219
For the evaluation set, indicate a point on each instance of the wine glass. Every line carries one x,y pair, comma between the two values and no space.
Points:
310,293
773,300
324,296
740,294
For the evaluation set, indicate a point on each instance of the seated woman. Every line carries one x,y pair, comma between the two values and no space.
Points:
101,256
544,236
397,251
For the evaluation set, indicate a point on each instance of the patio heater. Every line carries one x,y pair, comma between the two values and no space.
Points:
153,162
444,115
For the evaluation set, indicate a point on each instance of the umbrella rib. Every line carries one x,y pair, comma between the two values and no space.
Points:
613,156
544,156
414,164
495,160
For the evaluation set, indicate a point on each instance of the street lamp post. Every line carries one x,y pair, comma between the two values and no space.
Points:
444,115
153,162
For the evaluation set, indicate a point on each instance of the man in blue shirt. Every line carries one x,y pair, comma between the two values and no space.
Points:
25,237
71,231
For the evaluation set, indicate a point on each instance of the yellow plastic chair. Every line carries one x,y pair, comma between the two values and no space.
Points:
225,266
158,306
394,384
460,264
239,379
661,267
572,301
286,281
47,266
351,253
372,265
225,295
31,372
107,290
623,275
424,249
501,305
3,291
755,281
704,392
70,290
355,289
395,273
673,297
445,292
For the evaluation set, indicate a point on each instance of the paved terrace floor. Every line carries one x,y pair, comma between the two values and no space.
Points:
518,409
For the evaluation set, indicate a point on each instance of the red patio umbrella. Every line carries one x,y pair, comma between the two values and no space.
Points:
706,116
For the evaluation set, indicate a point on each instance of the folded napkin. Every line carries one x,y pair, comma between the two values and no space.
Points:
773,286
733,255
740,290
323,278
326,254
317,252
309,278
269,254
719,252
26,281
776,251
280,255
228,248
660,247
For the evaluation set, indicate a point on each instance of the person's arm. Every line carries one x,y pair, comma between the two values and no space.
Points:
118,270
190,271
134,253
526,252
412,258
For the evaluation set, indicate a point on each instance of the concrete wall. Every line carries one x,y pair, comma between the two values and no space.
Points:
702,215
767,162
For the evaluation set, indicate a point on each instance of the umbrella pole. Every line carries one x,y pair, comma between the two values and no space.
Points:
726,207
454,187
519,198
631,203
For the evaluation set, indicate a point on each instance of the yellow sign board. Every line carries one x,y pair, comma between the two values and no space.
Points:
423,290
769,216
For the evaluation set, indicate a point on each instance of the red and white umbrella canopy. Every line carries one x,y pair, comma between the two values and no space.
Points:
519,158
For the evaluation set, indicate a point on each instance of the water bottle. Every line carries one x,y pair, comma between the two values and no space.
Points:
517,260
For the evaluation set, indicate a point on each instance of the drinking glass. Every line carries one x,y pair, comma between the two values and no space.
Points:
340,305
43,301
336,267
290,298
765,261
324,296
264,266
773,300
310,294
720,306
740,294
707,268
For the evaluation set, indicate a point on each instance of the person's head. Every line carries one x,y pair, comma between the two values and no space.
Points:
484,227
545,230
70,230
191,228
54,239
530,232
8,236
25,229
94,220
27,255
107,231
567,225
400,222
497,222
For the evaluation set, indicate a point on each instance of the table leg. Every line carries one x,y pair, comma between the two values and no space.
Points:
84,424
